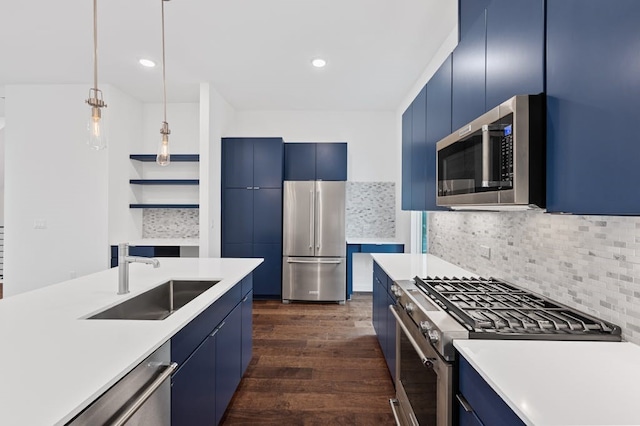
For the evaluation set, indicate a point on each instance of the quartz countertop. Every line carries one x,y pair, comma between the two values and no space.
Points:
561,383
55,363
399,266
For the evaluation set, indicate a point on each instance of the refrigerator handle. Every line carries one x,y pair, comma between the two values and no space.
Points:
318,224
311,217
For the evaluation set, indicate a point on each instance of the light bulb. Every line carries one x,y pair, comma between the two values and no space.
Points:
97,132
163,158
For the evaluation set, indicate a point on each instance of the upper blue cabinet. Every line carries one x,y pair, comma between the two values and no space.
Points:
593,100
419,164
500,55
315,161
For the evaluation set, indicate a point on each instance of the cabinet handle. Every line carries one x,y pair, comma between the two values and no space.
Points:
249,187
217,329
465,404
135,405
256,187
245,299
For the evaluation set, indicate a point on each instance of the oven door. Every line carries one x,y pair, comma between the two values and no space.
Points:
424,380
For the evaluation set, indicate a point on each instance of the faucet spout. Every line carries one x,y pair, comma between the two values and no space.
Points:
123,266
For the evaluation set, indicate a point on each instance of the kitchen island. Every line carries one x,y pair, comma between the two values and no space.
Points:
55,362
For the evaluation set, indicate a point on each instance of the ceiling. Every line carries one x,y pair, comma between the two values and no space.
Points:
256,53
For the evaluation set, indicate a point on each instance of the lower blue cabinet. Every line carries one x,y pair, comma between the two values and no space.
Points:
384,322
247,330
228,359
212,351
193,390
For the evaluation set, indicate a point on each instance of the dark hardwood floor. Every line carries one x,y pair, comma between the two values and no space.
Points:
314,364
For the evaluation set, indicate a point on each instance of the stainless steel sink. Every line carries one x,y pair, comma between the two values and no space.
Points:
157,303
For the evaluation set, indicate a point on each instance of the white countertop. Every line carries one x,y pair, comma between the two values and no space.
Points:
399,266
53,363
373,241
561,383
184,242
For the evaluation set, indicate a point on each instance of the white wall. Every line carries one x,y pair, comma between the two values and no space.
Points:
125,137
51,175
183,119
215,116
1,170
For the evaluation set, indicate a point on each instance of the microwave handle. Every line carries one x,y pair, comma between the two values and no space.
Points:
486,156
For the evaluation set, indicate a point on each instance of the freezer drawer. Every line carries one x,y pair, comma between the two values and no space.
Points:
314,279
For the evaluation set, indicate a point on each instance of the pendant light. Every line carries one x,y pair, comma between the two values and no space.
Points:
97,138
163,158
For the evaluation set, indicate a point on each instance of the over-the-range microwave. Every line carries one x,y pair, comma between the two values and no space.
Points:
497,160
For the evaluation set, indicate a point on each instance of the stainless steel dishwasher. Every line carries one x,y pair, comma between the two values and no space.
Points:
142,397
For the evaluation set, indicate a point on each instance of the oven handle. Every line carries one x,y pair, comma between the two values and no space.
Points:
394,410
425,360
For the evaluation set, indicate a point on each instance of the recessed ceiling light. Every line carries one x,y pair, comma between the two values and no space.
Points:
318,62
147,63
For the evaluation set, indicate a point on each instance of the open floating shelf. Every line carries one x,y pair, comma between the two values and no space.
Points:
174,157
164,206
165,181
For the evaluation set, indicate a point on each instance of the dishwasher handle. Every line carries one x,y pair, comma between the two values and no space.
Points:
134,406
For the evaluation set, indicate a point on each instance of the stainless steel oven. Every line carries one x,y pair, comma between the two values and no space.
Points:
431,312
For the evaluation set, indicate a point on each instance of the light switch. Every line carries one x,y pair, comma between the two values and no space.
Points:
485,251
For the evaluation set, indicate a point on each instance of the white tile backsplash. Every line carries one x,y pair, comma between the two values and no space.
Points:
371,210
170,223
591,263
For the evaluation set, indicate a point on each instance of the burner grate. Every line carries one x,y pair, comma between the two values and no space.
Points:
487,305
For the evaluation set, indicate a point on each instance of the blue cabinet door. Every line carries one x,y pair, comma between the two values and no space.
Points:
268,162
469,11
390,354
438,126
267,215
331,161
299,161
378,311
267,277
237,153
243,250
247,331
593,99
193,390
468,73
228,370
407,117
515,49
419,151
237,215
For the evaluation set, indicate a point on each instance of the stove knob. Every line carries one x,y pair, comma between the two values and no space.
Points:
434,336
425,326
410,307
395,289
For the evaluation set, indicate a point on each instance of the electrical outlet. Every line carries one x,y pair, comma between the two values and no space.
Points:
39,224
485,251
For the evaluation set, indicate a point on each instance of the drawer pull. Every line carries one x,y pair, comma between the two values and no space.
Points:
465,404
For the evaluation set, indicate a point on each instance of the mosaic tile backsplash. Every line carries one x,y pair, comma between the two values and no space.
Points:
371,210
170,223
591,263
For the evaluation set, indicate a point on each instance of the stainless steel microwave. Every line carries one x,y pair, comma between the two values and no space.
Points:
496,160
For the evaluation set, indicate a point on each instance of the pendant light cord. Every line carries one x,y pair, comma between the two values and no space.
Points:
164,81
95,45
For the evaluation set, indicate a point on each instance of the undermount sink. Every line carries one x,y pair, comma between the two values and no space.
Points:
157,303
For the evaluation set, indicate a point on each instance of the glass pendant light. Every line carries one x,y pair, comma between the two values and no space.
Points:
97,138
164,158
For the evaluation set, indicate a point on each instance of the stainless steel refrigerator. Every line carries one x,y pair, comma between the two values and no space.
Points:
314,246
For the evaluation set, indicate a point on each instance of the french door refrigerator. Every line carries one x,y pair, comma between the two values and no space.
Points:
314,246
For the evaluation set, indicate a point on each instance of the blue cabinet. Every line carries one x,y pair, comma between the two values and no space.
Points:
468,61
146,251
228,360
438,126
482,405
407,127
315,161
515,49
419,164
500,55
252,175
383,320
593,99
212,352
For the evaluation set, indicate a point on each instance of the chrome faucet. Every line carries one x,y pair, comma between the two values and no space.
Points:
123,266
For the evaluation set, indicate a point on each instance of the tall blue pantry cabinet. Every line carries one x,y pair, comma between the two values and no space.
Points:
252,175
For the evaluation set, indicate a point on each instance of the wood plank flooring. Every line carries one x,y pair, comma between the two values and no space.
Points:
314,364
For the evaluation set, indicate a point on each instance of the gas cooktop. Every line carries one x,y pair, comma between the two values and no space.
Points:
490,308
